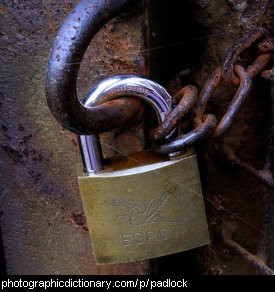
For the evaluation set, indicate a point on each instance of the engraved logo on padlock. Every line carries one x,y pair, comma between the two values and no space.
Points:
146,212
151,206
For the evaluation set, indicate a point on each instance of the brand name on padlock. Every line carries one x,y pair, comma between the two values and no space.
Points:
150,236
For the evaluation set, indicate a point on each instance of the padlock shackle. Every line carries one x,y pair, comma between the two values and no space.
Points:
114,87
70,45
122,85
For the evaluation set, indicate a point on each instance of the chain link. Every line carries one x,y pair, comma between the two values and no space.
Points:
185,99
234,74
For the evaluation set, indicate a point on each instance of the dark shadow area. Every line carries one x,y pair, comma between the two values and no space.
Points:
184,263
175,39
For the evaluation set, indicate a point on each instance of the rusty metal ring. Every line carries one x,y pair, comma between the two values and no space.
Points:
68,50
258,65
268,74
190,138
238,47
186,98
266,45
206,93
236,103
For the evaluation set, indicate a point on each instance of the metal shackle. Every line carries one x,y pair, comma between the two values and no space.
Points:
114,87
98,113
70,45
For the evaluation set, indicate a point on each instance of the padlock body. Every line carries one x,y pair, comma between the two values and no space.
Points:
145,211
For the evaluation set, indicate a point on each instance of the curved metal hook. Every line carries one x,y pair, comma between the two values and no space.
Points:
68,50
114,87
117,86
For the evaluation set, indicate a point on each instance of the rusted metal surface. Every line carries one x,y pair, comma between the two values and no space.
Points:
265,175
266,45
236,103
258,65
268,74
206,93
116,49
244,79
42,221
237,48
241,76
68,50
191,138
252,259
186,98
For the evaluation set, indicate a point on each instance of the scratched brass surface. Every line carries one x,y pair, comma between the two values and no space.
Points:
145,211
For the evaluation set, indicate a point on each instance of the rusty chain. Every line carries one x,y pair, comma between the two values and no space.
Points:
233,73
240,77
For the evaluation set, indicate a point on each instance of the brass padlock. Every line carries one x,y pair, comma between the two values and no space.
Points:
140,206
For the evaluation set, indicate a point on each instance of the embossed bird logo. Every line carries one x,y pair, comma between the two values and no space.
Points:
139,214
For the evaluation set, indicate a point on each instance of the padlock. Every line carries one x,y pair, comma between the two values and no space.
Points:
142,205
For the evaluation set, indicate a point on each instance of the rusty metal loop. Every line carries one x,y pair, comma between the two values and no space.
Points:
236,75
236,103
268,74
206,93
258,65
186,98
68,50
238,47
265,175
190,138
266,45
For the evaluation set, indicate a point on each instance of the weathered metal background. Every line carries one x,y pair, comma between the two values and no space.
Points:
42,221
